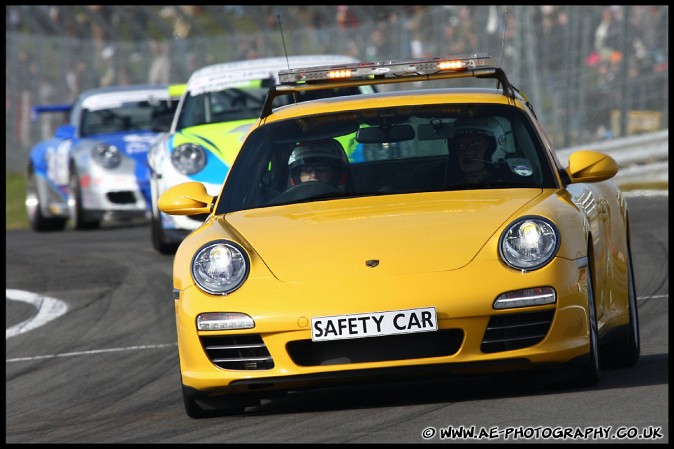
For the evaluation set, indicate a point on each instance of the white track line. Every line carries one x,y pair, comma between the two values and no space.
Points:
48,309
23,294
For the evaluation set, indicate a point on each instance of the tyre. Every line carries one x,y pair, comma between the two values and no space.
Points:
625,352
159,240
202,407
193,409
78,215
590,371
34,204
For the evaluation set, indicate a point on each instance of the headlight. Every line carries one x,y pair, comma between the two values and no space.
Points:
220,267
529,243
107,156
188,158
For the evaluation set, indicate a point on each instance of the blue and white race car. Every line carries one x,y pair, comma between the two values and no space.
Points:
95,166
220,104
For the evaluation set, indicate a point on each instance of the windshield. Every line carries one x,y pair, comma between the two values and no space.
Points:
127,116
222,106
243,103
386,151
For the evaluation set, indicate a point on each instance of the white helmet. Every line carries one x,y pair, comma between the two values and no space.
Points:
499,140
327,151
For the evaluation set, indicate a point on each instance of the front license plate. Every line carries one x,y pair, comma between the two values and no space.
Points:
375,324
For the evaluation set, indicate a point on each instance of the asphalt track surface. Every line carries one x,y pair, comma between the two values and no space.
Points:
91,357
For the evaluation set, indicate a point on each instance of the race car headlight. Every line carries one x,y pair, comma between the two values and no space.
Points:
107,156
220,267
529,243
188,158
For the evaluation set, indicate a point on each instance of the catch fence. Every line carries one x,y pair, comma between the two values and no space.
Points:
591,72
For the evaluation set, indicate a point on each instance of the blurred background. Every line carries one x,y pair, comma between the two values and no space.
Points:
591,72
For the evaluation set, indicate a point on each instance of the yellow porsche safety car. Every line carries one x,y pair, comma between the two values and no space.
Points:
451,241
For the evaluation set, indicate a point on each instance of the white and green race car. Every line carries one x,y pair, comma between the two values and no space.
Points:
215,113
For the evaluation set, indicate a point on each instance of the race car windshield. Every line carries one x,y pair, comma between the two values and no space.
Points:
390,151
131,116
244,103
222,106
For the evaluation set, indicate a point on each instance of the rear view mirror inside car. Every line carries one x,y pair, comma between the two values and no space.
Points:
434,131
385,133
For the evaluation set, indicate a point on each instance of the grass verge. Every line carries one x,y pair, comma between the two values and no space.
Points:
15,197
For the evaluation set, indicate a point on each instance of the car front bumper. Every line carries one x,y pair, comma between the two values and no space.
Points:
462,298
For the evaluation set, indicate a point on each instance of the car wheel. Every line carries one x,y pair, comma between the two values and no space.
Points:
159,240
193,409
38,222
211,406
77,213
626,351
590,372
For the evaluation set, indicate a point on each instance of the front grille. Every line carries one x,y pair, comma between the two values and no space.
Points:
239,352
515,331
376,349
122,197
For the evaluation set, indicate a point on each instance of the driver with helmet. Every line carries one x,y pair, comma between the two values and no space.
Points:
479,145
322,161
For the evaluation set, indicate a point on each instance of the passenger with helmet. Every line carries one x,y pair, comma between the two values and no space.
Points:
476,143
323,161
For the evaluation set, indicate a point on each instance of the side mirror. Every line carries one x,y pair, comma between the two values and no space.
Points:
188,198
65,132
591,166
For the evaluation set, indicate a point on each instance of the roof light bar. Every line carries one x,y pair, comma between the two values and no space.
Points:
385,69
337,74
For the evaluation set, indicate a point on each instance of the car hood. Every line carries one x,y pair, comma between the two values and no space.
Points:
425,232
223,142
222,139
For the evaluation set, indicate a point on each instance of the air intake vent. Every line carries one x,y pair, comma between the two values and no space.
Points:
122,197
238,352
515,331
376,349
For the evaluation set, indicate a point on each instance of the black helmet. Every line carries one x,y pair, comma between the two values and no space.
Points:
324,151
